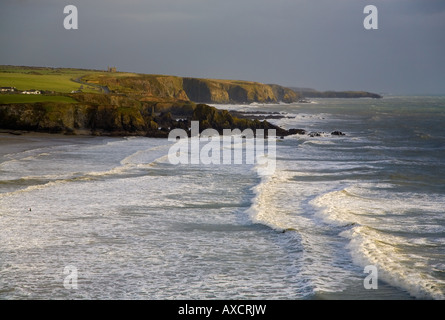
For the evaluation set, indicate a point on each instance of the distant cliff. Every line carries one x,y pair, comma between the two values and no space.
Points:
229,91
311,93
149,87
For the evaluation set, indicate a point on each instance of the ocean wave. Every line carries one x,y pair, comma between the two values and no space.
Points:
401,269
33,188
283,205
262,209
141,159
376,238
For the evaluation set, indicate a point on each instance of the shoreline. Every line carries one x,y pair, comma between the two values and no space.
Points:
112,121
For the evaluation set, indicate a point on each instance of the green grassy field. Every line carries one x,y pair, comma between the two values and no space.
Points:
25,98
50,79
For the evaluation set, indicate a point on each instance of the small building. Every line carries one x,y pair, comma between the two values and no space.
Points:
7,89
31,92
111,69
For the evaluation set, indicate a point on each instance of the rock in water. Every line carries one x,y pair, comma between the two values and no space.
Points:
297,131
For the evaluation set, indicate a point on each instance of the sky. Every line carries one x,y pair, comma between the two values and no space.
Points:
320,44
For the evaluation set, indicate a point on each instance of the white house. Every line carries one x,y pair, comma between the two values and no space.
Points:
7,89
31,92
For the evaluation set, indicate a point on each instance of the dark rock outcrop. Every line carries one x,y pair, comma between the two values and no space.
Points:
147,119
197,90
297,131
337,133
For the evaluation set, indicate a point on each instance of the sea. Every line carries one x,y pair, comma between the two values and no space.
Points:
356,216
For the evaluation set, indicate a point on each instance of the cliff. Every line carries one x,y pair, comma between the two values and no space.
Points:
229,91
145,87
98,114
72,119
284,94
311,93
150,87
76,101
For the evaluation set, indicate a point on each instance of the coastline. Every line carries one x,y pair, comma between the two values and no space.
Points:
109,188
131,104
117,122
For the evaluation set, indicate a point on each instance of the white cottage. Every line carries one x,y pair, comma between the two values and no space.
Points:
31,92
7,89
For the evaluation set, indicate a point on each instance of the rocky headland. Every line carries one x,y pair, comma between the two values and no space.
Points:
143,105
125,104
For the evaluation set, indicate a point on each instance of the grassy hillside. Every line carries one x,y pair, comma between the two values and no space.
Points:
146,87
47,79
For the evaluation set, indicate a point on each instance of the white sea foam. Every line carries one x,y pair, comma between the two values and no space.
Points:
404,270
279,204
374,240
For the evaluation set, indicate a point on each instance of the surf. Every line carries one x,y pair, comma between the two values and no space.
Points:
375,238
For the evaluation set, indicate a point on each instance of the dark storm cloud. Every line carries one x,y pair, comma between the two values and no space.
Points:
319,44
